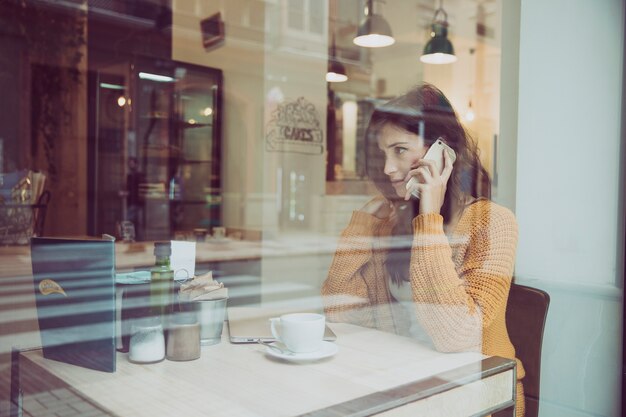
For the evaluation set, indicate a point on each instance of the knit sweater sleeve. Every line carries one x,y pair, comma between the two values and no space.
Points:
456,305
345,291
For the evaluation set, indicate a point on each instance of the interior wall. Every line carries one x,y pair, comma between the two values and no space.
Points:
295,98
295,102
567,203
264,64
241,59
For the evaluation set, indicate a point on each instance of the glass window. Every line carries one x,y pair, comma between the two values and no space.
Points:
389,194
296,15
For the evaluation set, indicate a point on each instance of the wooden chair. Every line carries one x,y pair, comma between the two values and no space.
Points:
526,313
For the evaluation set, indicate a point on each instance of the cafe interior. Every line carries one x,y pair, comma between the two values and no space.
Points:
218,147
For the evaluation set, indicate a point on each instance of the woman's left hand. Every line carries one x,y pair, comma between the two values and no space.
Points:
431,185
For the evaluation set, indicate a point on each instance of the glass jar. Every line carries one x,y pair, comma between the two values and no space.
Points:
147,341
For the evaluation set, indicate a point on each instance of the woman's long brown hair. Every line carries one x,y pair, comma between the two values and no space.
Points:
423,111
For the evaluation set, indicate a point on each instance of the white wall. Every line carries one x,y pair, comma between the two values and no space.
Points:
567,195
569,133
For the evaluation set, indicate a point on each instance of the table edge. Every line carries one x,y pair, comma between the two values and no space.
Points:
421,389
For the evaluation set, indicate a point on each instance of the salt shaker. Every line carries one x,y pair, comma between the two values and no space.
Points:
147,342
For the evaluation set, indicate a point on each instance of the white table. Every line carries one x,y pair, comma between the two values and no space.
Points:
373,373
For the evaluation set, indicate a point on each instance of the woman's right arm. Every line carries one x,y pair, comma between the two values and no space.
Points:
345,291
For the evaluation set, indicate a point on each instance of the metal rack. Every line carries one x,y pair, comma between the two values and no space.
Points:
20,222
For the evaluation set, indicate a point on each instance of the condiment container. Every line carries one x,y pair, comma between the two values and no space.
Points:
147,341
183,337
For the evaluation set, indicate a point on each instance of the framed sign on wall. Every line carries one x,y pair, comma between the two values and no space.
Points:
212,29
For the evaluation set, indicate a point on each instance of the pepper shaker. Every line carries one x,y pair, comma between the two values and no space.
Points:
183,337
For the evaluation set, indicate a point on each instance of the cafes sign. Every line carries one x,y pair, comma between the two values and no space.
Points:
294,126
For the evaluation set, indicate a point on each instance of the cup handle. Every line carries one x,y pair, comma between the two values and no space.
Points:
275,331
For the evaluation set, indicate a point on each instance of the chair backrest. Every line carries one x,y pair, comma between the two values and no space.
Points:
526,313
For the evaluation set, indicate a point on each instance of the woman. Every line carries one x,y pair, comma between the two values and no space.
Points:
437,267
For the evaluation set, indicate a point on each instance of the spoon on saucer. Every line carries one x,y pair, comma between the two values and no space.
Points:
275,348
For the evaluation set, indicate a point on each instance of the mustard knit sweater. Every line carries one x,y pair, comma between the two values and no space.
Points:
460,283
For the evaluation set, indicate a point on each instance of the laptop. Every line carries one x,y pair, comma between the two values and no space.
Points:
250,324
74,283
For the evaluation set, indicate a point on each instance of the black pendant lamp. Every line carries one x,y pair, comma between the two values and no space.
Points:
439,49
374,31
336,70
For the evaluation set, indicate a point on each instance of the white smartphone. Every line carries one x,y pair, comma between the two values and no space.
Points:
435,153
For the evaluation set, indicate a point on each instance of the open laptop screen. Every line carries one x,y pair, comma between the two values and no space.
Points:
74,283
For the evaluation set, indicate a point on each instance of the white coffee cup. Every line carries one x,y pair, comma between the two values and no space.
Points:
299,332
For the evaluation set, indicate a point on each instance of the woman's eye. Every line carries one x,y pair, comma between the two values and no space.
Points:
399,150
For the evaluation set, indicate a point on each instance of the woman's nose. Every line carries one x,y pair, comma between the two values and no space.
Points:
390,168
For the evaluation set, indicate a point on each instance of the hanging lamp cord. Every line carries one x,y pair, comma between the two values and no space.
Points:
369,10
440,10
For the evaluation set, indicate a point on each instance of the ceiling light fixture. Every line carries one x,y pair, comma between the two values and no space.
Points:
439,49
374,31
156,77
112,86
336,70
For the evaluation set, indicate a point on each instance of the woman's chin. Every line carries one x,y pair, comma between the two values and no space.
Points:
400,190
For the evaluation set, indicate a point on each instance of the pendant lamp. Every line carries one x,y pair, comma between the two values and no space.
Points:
374,31
336,70
439,49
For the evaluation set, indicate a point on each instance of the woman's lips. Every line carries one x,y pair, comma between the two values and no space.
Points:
398,184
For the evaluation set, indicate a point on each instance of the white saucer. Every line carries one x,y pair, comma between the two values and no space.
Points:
328,349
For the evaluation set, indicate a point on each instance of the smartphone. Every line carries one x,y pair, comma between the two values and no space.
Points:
435,153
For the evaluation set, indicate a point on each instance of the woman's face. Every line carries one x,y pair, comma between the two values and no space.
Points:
402,151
